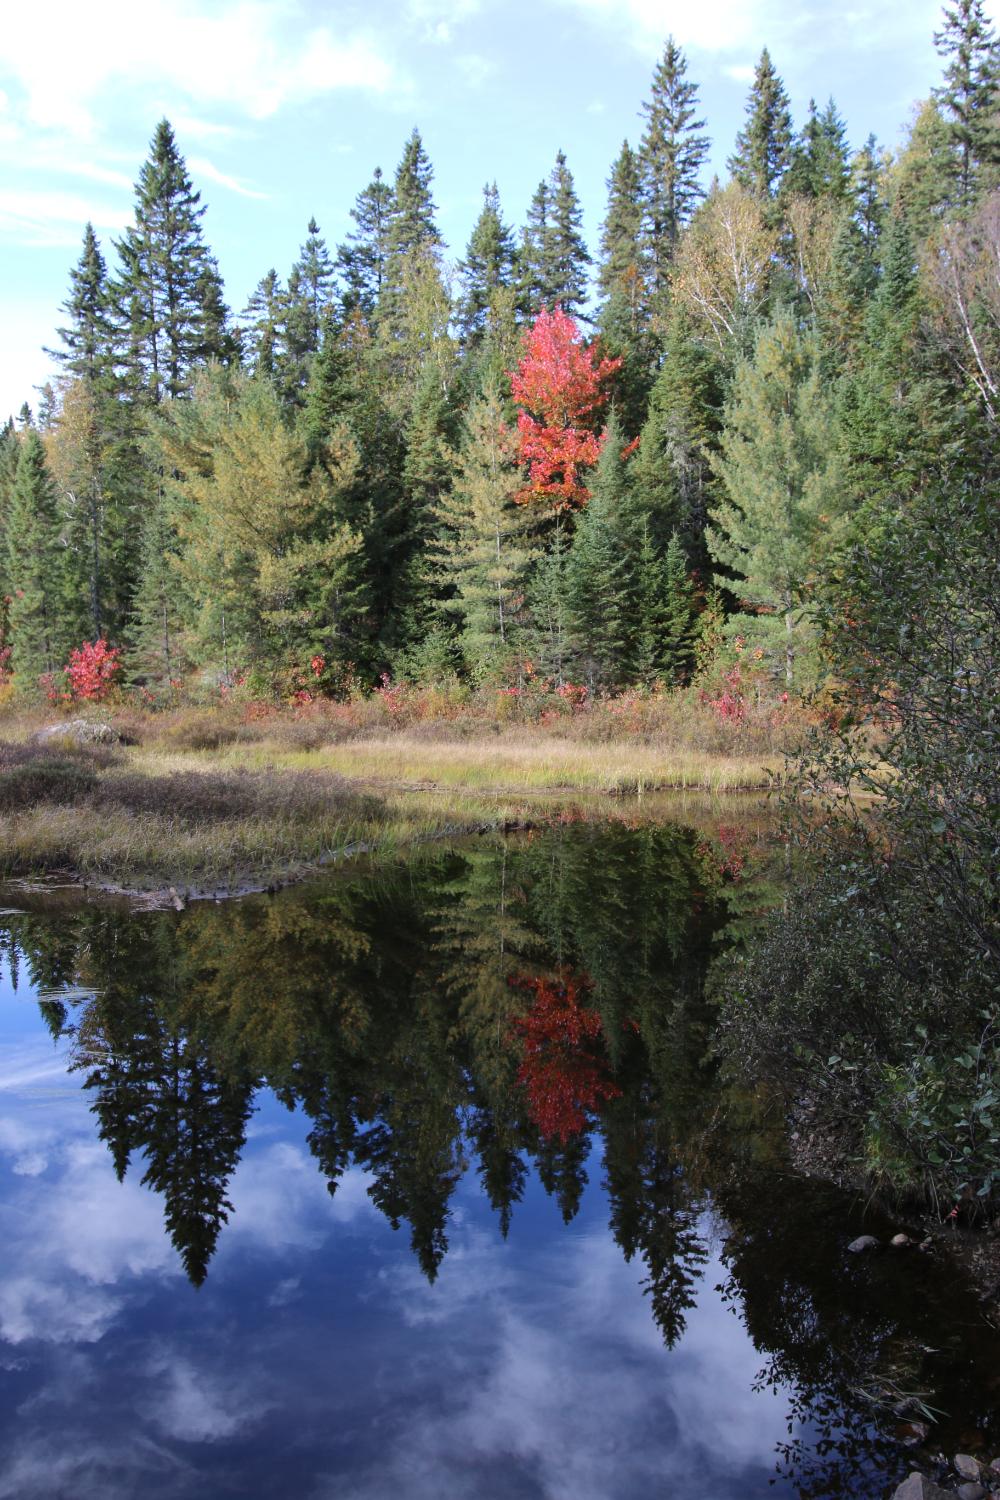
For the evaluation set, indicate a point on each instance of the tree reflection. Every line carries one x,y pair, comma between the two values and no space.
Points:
529,1004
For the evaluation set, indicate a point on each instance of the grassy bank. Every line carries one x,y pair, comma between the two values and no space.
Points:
260,810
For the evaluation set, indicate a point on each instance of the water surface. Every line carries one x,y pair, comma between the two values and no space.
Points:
420,1181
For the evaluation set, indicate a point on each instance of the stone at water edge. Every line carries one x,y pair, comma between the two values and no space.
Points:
862,1243
967,1467
919,1487
79,731
972,1492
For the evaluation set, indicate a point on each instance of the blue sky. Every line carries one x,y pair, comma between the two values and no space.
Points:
284,107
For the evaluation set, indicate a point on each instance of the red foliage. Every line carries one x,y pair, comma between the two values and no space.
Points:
93,670
559,386
564,1071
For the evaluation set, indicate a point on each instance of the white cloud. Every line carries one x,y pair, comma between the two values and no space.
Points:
740,72
199,166
49,216
790,31
438,18
248,56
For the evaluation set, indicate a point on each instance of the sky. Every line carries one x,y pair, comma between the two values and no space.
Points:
282,109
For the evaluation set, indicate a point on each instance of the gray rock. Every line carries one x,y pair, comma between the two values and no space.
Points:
967,1466
900,1241
77,732
862,1243
919,1487
972,1492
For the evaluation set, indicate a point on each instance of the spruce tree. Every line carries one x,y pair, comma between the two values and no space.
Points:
482,549
156,634
34,568
677,616
672,155
362,257
764,145
88,336
622,272
782,490
970,97
313,275
488,265
868,191
411,222
264,326
819,164
602,570
167,293
672,469
553,258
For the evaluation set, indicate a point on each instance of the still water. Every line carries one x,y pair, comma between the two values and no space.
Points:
420,1181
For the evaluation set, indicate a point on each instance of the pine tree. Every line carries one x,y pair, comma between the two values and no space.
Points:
411,222
672,155
264,327
622,272
782,487
819,166
488,265
677,628
566,252
482,550
88,337
156,633
553,257
313,273
363,255
922,180
602,570
672,469
168,292
35,567
970,97
764,145
868,191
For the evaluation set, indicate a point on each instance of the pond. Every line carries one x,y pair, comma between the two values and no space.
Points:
421,1181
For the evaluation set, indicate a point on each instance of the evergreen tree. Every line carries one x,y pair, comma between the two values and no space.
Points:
35,573
411,222
922,180
819,163
623,281
313,276
482,549
672,154
156,634
672,469
553,257
868,190
602,570
363,255
168,292
764,145
488,265
782,487
621,276
677,628
88,337
970,97
264,327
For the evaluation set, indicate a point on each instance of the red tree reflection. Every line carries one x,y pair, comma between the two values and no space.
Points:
564,1071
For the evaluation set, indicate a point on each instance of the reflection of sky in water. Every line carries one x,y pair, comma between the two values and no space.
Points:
316,1361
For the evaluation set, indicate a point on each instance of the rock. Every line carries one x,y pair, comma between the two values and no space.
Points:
972,1492
862,1243
967,1467
77,732
919,1487
900,1241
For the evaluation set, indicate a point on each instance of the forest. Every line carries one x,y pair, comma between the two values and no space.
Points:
541,470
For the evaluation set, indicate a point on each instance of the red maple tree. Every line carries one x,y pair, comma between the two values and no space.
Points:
564,1071
93,670
559,386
